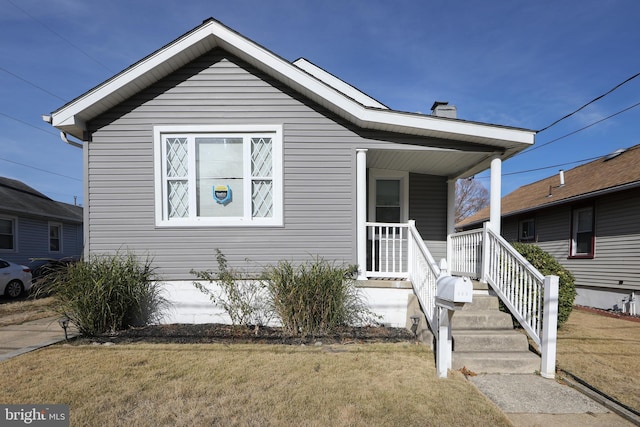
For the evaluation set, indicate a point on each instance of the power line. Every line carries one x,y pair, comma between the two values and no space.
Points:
32,84
590,102
543,168
579,130
41,170
28,124
59,35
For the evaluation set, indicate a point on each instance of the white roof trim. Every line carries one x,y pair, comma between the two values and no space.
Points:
344,101
338,84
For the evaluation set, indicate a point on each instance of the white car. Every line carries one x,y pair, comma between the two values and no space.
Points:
14,279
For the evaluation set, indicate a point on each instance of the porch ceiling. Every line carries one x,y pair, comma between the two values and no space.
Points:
449,163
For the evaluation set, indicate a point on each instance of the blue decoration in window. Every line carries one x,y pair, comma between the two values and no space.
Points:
222,194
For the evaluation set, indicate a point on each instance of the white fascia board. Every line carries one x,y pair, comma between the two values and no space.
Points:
338,84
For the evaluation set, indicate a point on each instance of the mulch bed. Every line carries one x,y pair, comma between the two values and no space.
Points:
228,334
608,313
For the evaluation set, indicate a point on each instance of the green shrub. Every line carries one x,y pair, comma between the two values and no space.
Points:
547,265
316,297
107,293
243,298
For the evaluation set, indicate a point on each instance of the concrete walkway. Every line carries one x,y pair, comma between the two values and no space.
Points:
528,400
19,339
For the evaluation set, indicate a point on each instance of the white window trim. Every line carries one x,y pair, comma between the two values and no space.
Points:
275,131
403,177
14,221
59,225
573,252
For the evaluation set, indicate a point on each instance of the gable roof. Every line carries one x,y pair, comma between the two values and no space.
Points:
20,199
615,172
303,77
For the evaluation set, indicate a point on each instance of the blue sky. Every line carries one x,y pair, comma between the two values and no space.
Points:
513,63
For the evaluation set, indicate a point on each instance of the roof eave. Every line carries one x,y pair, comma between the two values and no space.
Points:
72,117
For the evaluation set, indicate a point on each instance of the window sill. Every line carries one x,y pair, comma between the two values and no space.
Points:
589,256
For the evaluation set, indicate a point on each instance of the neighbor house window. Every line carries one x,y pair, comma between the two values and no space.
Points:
527,230
215,176
55,237
7,234
582,232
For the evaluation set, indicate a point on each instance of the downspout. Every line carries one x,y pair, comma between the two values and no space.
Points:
63,137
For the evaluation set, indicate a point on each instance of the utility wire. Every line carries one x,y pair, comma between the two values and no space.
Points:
32,84
545,167
41,170
590,102
28,124
62,37
579,130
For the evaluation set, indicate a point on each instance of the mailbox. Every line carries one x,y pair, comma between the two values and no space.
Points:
454,289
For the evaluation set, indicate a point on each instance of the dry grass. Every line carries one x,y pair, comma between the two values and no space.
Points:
216,384
604,352
24,310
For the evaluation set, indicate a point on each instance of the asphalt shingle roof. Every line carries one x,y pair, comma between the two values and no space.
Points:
609,173
18,198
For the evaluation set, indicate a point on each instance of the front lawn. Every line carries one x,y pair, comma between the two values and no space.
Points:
246,384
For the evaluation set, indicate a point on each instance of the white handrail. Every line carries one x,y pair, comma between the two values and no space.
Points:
423,273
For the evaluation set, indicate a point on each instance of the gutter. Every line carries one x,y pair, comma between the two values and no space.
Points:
63,135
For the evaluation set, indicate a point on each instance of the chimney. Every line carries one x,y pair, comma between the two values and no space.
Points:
443,109
561,178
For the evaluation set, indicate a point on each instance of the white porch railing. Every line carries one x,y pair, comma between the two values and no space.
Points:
387,250
423,273
531,297
397,251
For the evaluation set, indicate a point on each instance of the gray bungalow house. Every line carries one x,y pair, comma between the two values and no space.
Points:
34,226
587,218
213,141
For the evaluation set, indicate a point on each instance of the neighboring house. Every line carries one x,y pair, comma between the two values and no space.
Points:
587,218
214,142
34,226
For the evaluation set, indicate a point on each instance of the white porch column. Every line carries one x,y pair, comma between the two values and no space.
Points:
451,207
496,189
361,212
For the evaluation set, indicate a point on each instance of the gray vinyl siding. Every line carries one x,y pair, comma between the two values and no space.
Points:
217,89
617,241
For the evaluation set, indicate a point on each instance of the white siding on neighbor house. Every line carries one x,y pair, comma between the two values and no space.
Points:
217,89
617,241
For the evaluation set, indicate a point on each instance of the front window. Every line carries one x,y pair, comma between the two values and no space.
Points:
55,237
582,234
527,231
7,235
388,200
215,178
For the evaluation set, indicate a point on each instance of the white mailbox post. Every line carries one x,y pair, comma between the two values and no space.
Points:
451,295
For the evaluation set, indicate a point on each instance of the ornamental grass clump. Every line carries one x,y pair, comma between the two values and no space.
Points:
107,293
316,297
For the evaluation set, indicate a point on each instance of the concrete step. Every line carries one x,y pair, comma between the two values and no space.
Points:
496,362
489,341
482,302
479,286
481,319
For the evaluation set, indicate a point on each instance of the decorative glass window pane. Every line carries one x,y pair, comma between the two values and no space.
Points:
219,162
261,163
178,198
262,199
177,157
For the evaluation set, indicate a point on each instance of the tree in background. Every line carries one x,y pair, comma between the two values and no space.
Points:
471,196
